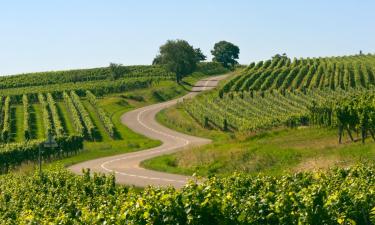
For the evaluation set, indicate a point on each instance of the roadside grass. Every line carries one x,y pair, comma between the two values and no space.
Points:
274,152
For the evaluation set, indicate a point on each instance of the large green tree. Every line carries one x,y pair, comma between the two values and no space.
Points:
179,57
226,53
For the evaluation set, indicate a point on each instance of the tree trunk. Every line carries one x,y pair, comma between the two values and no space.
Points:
350,134
340,134
363,134
372,134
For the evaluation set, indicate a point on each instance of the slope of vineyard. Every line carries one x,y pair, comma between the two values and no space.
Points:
84,75
310,73
280,91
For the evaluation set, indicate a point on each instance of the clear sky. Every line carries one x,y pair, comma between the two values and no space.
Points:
45,35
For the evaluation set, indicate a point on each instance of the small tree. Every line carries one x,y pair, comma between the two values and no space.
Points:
199,54
226,53
116,70
179,57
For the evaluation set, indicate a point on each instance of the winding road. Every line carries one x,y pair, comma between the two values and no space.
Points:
126,167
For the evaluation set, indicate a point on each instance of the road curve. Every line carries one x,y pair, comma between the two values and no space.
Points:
126,166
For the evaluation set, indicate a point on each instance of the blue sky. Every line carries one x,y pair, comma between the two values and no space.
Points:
66,34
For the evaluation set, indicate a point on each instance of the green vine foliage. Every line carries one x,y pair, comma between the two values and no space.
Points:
26,117
105,119
14,154
339,196
353,111
5,133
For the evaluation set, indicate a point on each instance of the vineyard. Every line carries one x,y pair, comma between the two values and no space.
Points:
340,196
280,92
33,106
283,74
82,76
24,148
66,104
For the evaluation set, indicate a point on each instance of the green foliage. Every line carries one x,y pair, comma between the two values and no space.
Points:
340,196
26,118
59,130
211,68
5,133
47,122
225,53
115,70
278,73
85,117
178,56
199,55
254,111
13,154
76,119
84,75
354,111
282,93
105,119
97,87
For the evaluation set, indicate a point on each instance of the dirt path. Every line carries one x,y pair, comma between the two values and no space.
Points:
126,166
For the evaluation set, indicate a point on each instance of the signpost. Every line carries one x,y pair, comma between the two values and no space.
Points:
49,143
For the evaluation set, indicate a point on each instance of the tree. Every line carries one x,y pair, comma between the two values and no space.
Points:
199,54
178,56
116,70
225,53
278,56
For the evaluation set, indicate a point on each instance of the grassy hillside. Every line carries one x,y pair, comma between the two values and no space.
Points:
261,120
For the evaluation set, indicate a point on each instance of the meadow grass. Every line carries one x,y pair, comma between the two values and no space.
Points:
273,152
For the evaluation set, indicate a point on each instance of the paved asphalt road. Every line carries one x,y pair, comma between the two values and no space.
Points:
126,166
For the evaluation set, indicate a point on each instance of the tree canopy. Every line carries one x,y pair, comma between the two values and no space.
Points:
179,57
226,53
116,70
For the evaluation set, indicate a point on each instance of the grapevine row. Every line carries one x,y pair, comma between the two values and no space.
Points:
335,72
105,119
48,129
26,118
90,128
252,111
59,130
85,75
350,112
5,133
76,120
